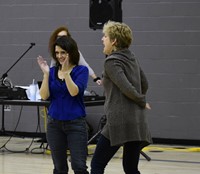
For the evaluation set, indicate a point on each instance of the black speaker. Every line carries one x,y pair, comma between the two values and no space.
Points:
103,10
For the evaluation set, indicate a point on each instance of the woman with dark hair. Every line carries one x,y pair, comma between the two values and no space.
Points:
63,31
64,85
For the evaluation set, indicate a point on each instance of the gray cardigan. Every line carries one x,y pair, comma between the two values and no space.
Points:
125,87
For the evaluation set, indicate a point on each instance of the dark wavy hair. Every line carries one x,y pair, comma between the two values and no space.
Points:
54,36
68,44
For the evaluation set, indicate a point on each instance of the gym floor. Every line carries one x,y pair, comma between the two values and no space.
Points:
28,156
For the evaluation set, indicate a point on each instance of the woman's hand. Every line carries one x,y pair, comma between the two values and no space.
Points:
43,64
147,106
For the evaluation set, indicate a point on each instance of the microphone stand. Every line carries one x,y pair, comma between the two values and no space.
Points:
3,86
5,75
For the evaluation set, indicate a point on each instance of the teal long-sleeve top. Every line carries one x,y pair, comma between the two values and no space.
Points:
63,106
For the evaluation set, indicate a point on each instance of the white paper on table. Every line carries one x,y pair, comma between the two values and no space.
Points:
38,97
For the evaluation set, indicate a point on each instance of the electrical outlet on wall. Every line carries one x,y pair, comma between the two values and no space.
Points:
7,107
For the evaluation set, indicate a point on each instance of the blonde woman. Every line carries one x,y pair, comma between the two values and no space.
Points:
125,87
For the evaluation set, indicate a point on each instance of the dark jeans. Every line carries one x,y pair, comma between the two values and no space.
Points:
72,135
104,152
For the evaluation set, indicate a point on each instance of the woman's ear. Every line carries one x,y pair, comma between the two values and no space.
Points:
114,42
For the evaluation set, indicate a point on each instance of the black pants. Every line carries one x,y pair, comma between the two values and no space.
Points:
104,152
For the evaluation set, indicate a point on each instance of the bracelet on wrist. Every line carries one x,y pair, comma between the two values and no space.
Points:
97,78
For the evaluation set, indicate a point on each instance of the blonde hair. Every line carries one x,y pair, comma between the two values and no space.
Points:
119,31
